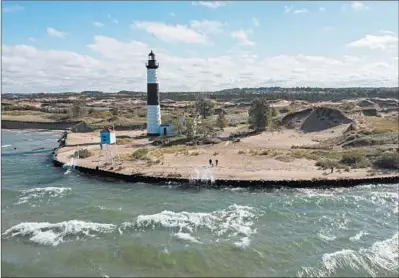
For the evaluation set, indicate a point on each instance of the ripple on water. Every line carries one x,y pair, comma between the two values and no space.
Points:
91,228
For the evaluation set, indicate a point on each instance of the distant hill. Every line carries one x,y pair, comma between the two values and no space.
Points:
272,93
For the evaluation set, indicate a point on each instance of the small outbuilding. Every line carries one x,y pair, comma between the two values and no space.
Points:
108,136
166,130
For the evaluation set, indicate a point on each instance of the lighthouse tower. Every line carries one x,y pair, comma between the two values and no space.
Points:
153,107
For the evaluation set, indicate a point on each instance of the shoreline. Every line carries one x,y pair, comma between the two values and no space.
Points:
218,183
320,183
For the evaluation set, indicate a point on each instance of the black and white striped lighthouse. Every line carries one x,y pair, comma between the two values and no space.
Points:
153,107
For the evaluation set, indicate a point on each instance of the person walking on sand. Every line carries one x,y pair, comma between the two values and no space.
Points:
217,162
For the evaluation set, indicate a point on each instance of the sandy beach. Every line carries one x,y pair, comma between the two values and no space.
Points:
244,160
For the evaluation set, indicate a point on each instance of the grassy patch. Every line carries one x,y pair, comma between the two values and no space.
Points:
354,159
140,154
381,125
30,116
359,158
325,164
124,141
174,149
154,155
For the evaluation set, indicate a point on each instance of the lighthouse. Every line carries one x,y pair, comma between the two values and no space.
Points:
153,107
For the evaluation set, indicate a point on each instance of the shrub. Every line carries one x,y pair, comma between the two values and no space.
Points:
140,153
327,164
221,121
84,153
387,161
354,160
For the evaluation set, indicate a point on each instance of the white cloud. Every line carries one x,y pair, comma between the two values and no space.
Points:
376,42
255,22
172,33
111,48
301,11
120,66
387,32
291,9
209,4
356,6
207,26
13,8
98,24
172,14
32,39
242,36
288,9
113,19
55,33
322,9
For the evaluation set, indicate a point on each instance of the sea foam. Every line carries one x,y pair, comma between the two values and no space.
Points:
382,255
40,193
235,221
54,233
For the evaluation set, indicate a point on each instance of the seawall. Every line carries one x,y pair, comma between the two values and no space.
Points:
262,184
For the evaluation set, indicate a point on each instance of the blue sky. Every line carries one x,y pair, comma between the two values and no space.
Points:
211,45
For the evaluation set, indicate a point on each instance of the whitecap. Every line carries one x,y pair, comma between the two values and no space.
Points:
234,221
326,237
39,193
5,146
187,237
243,243
45,233
382,255
358,236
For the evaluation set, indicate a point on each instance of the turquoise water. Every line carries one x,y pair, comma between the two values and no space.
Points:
61,223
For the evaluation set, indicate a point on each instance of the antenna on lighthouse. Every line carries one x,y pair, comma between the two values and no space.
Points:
153,103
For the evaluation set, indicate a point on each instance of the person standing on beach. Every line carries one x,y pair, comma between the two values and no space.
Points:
217,162
210,162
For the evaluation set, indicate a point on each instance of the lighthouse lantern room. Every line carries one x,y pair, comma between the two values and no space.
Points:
153,103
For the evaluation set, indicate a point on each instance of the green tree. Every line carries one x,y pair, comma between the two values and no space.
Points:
190,129
274,112
178,126
221,121
260,114
205,129
114,111
205,107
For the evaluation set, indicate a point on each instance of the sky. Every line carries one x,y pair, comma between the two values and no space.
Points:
51,46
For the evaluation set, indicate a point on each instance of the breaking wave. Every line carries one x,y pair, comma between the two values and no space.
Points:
358,236
40,193
235,221
381,256
55,233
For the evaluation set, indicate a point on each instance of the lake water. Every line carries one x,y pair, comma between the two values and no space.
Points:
61,223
